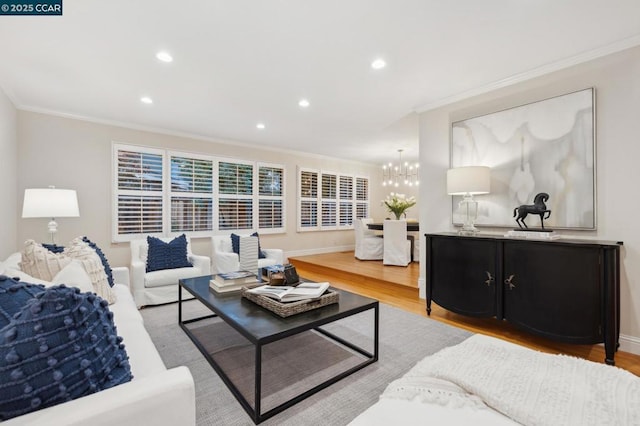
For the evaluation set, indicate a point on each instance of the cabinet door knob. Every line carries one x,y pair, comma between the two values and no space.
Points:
509,282
489,279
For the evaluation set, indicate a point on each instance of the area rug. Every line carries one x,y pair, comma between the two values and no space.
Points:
404,340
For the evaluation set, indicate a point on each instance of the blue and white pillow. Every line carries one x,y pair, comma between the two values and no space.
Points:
105,263
60,345
235,245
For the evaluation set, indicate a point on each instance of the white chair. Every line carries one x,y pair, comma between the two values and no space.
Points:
154,288
369,246
397,249
225,260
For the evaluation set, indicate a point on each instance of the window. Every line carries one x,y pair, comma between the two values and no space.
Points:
346,201
329,200
270,197
165,192
139,192
362,198
191,194
235,195
308,200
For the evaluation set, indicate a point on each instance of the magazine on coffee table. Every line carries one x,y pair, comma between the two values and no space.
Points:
292,294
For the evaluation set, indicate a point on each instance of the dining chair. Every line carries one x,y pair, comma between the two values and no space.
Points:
368,244
397,249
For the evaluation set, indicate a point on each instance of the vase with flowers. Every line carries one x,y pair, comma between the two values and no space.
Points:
398,203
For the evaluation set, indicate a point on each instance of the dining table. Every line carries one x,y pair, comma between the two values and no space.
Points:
411,227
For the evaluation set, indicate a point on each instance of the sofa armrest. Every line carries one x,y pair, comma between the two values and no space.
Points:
203,263
225,262
121,275
275,254
166,398
138,269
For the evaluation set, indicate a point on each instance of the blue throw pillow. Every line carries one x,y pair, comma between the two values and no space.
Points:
13,296
169,255
60,346
235,245
105,263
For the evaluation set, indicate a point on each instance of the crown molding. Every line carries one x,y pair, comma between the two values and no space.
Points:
536,72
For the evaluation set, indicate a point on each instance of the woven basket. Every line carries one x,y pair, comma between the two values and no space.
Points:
291,308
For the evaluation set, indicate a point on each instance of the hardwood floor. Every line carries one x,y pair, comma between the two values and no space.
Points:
398,286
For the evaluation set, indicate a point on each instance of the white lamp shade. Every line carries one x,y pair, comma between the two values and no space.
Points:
469,180
50,202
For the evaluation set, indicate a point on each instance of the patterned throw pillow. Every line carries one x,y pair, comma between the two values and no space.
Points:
169,255
103,259
13,296
235,245
41,263
80,250
60,345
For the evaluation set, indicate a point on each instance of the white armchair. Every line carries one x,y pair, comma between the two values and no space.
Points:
369,246
225,260
156,287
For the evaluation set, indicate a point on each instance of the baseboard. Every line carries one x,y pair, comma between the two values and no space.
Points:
630,344
308,252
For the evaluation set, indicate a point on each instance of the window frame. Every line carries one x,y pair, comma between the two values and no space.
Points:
320,200
167,193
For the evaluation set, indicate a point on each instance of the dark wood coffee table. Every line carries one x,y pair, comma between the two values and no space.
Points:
262,332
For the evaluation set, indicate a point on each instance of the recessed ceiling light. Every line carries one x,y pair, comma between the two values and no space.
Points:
260,126
378,64
304,103
146,100
164,56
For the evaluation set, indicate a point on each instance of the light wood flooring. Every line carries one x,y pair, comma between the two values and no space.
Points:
398,286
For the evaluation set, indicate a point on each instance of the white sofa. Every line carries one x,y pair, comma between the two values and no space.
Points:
157,287
156,395
488,381
225,260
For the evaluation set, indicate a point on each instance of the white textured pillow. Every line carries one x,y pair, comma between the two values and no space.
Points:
23,276
92,264
74,275
12,262
39,262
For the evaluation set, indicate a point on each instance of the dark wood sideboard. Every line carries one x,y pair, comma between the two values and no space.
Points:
565,290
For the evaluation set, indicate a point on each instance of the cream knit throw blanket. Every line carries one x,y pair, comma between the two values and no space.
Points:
532,388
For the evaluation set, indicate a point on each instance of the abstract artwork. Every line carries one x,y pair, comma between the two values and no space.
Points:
545,146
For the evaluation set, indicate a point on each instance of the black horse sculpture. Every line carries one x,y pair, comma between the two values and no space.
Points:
538,207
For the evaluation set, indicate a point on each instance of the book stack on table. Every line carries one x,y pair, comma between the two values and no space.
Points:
232,281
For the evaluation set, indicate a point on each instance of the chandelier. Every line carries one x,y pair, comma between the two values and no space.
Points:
402,173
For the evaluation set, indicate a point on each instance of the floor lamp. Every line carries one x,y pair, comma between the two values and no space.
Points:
51,203
469,181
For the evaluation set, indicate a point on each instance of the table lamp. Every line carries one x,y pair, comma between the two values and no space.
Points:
50,202
469,181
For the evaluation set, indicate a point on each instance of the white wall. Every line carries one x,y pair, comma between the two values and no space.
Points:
617,85
76,154
8,177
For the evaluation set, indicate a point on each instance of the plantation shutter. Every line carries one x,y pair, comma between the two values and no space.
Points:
308,200
191,194
346,201
362,197
139,192
235,195
329,200
270,197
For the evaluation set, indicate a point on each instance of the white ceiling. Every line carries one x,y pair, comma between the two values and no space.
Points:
240,62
